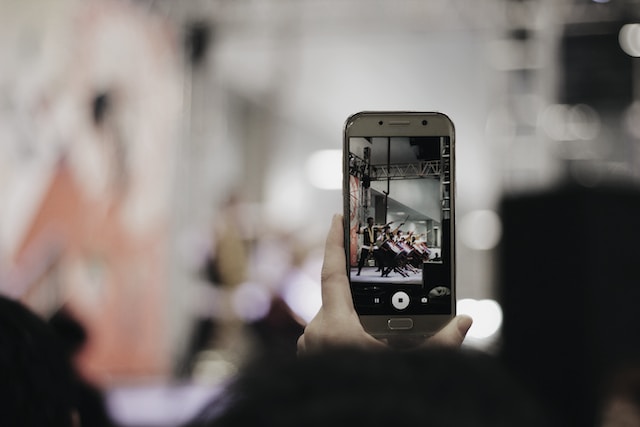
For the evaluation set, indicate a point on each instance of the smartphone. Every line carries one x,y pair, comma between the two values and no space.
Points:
399,220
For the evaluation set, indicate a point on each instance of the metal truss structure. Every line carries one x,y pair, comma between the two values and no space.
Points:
426,169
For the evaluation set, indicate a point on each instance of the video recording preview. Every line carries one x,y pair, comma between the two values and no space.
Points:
400,224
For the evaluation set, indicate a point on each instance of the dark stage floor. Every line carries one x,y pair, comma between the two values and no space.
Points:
370,275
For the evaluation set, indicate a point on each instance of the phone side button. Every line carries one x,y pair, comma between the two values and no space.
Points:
400,324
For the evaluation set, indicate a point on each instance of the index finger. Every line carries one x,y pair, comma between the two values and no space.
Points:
336,294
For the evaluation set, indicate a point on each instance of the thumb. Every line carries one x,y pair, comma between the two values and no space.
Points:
453,334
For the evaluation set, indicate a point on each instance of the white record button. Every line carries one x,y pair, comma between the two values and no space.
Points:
400,300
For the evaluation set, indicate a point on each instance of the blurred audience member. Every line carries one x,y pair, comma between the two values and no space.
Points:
350,387
229,257
37,382
621,399
90,401
278,331
224,269
571,321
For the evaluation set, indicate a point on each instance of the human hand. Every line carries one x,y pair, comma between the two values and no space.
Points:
337,323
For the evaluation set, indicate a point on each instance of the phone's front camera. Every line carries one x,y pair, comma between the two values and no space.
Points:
424,123
380,122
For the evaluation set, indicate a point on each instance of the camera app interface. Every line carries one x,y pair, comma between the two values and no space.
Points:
400,224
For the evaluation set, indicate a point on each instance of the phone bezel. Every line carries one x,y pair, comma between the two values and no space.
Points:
401,123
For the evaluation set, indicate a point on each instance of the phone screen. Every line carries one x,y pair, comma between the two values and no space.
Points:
399,214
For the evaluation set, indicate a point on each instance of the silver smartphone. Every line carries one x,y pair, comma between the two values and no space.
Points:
399,220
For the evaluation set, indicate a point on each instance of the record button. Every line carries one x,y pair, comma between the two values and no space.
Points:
400,300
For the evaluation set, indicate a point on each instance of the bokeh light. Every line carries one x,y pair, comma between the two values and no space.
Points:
324,169
486,315
480,229
629,38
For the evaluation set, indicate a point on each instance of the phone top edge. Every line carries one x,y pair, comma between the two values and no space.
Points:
398,123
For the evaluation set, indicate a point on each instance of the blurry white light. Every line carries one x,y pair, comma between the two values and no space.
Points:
212,367
481,229
629,39
486,315
324,169
632,119
251,301
271,261
302,294
287,199
583,122
569,123
553,121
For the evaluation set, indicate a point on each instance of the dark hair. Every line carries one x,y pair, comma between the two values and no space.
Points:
35,374
351,387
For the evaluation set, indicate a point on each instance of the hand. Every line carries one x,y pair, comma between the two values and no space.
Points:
337,322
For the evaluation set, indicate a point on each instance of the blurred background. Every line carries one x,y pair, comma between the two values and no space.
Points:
169,169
